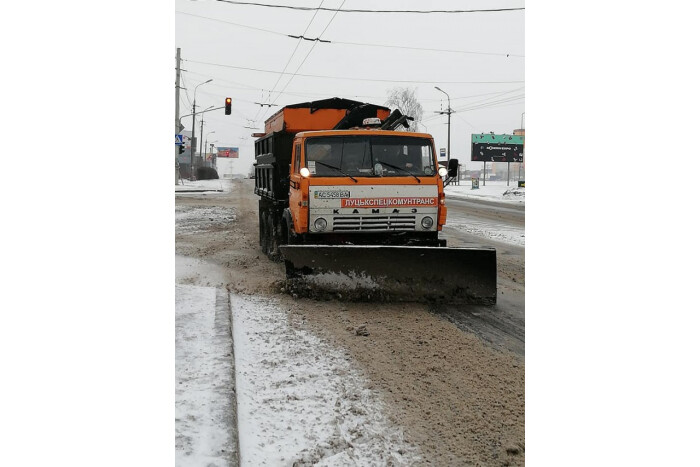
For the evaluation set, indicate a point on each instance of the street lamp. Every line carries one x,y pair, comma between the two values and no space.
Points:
194,104
449,112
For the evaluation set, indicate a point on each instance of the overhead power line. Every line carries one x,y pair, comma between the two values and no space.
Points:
490,104
317,39
428,49
303,8
354,79
356,44
231,23
309,52
248,87
290,58
487,105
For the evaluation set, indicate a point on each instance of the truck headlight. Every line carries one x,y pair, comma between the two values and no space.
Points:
305,172
427,222
442,171
320,224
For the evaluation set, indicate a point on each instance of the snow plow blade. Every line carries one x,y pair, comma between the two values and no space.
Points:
392,273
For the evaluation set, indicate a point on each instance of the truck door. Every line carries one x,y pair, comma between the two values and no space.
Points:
296,191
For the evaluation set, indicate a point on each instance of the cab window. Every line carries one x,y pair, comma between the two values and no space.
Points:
297,158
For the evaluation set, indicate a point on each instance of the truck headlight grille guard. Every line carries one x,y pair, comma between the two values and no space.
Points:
374,223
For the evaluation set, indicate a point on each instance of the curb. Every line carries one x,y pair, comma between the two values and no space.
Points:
223,313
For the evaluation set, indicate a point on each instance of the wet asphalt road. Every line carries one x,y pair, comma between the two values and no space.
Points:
502,325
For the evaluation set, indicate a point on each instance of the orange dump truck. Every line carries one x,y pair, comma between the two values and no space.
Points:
356,207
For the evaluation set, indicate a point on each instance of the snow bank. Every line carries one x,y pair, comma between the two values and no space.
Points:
202,218
299,399
223,185
494,191
204,379
489,229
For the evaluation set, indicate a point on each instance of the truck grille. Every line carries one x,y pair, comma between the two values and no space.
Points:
375,223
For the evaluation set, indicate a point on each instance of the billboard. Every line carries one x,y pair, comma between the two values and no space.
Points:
227,152
497,148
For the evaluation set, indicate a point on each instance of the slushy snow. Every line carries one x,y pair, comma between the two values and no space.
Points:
300,400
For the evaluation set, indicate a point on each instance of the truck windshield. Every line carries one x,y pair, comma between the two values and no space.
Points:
367,155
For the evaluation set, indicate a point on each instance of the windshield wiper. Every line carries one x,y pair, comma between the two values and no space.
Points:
400,168
336,168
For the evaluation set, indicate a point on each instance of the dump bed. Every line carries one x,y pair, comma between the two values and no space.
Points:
273,154
323,114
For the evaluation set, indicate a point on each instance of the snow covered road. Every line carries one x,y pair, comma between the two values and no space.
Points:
416,387
300,401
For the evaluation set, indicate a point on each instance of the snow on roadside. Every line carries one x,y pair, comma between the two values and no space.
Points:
491,230
493,191
299,399
200,218
204,379
219,184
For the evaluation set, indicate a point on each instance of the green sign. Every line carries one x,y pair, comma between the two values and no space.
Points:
497,139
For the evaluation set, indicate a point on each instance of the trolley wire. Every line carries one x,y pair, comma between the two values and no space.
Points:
302,8
353,78
360,44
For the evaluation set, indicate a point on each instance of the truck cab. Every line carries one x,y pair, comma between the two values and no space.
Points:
365,186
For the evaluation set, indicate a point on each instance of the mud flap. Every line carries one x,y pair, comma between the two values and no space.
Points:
395,273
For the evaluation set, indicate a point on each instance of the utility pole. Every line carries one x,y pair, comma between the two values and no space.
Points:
177,112
194,111
194,103
213,158
449,113
201,140
520,166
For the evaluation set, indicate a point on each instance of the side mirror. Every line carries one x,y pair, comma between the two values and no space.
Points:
453,168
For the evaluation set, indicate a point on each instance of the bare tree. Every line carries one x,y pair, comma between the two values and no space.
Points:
405,100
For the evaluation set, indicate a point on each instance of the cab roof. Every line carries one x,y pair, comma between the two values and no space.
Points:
361,131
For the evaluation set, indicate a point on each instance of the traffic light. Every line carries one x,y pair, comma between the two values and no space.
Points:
228,106
181,149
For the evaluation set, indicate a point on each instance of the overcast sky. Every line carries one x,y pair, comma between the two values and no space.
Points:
224,41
